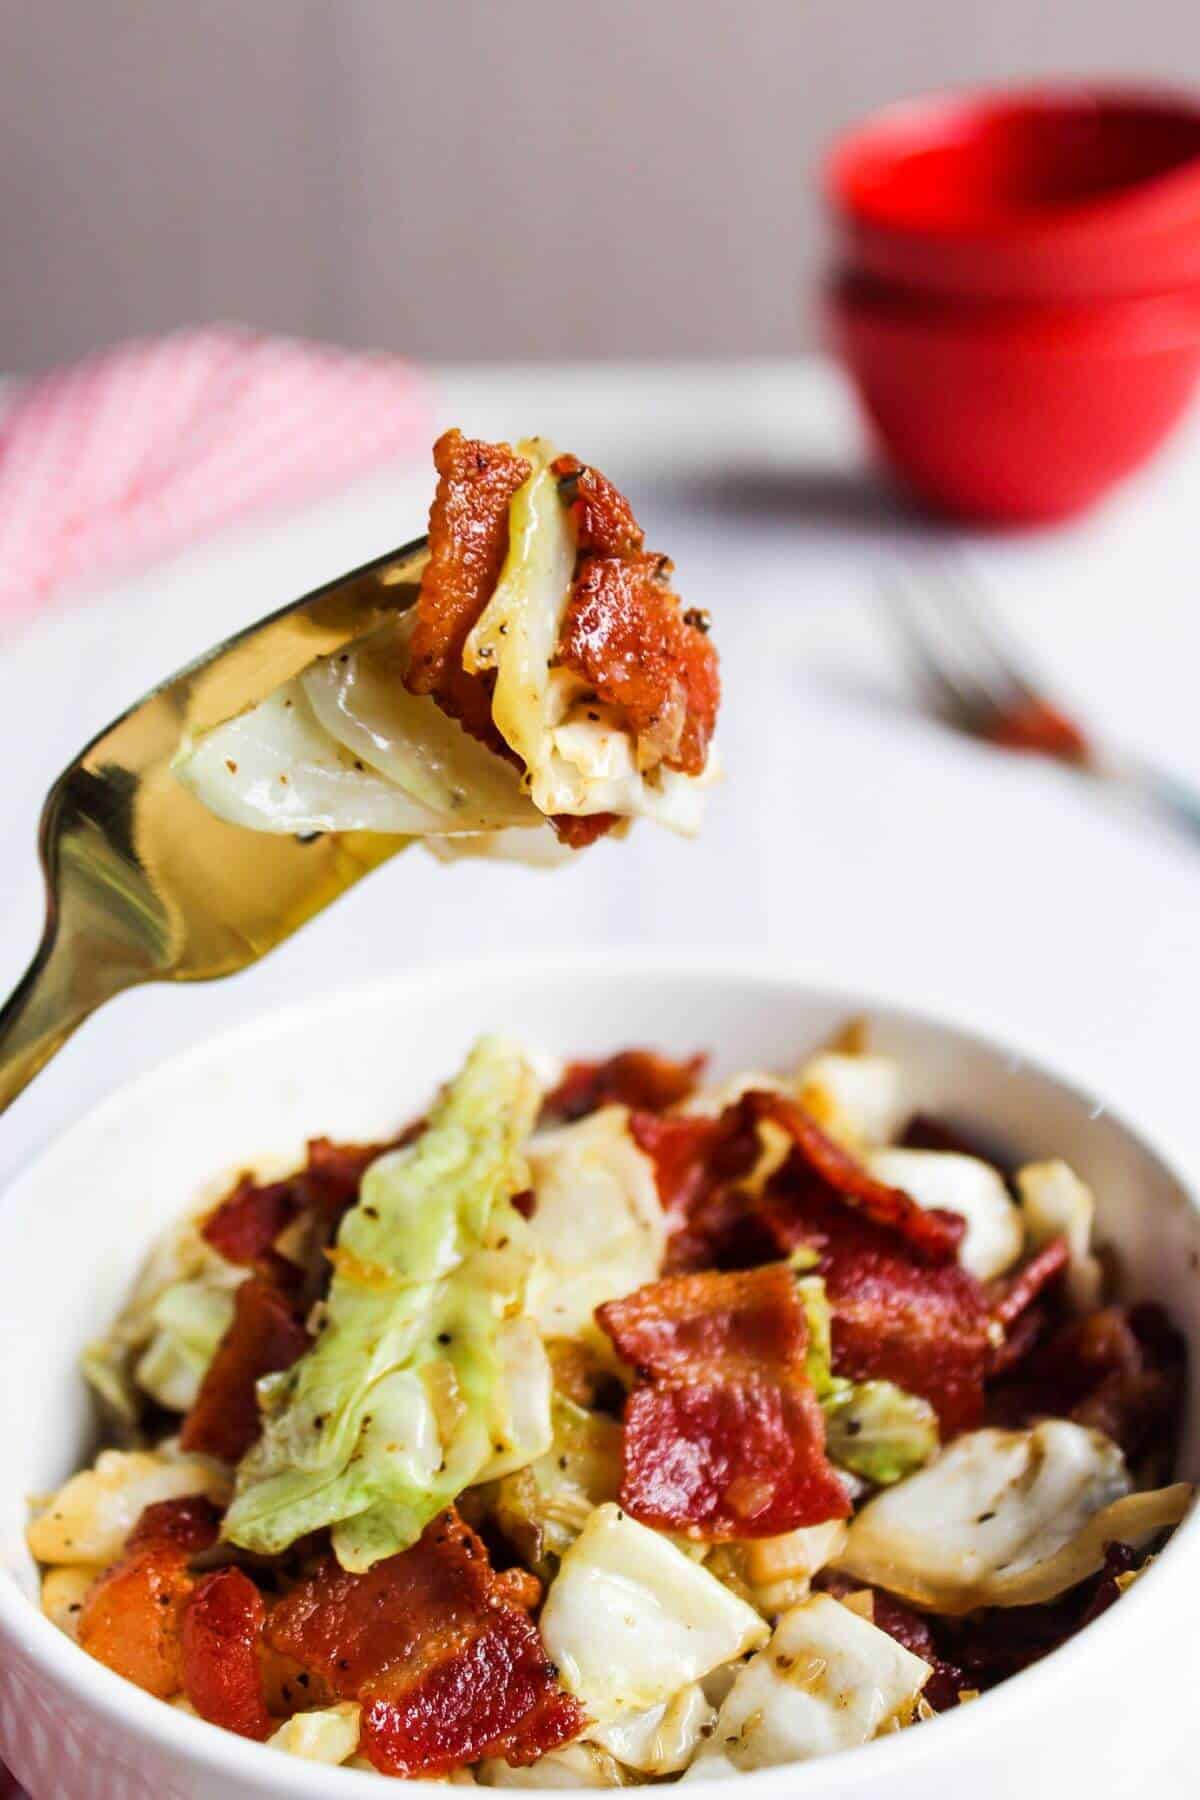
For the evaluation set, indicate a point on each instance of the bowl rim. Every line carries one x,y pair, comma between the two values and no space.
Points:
214,1751
938,116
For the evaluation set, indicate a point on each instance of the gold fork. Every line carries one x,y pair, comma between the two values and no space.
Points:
143,883
977,682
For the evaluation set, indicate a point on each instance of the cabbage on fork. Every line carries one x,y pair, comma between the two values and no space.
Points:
551,625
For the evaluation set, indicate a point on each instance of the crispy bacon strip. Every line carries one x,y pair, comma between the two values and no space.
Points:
220,1635
468,541
334,1172
627,636
1015,1294
695,1159
446,1665
640,1079
602,516
131,1619
934,1235
894,1317
723,1435
265,1335
245,1225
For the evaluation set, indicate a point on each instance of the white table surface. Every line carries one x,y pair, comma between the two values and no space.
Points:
851,835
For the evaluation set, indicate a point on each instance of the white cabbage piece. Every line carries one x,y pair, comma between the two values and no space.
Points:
520,1420
327,1734
597,1220
827,1680
858,1100
577,757
157,1342
190,1319
576,1765
994,1237
778,1570
92,1514
64,1590
543,1507
663,1739
275,769
532,849
359,698
1056,1203
629,1619
971,1528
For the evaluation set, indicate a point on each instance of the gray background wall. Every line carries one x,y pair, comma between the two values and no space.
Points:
472,178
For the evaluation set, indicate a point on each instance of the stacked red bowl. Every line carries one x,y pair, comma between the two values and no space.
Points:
1016,292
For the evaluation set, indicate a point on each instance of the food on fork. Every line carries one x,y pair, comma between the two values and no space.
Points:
611,1426
548,672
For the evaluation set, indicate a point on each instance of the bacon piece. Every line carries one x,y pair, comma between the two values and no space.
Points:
624,633
723,1435
264,1336
695,1157
894,1318
1015,1294
934,1235
639,1079
1120,1371
131,1619
243,1228
468,541
1021,1305
334,1172
992,1645
602,516
447,1668
220,1635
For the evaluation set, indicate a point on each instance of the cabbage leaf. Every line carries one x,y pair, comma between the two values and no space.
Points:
423,1377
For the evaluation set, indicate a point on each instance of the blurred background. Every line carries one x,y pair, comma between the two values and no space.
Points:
461,180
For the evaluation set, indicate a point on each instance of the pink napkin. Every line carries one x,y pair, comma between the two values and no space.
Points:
131,453
137,450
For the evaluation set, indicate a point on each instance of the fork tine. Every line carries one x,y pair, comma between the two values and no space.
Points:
959,699
978,627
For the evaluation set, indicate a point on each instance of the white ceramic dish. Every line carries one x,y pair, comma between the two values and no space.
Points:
1108,1715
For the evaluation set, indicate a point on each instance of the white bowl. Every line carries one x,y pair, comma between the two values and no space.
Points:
1108,1714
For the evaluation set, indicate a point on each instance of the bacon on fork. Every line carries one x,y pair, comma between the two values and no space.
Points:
724,1437
626,634
447,1666
468,541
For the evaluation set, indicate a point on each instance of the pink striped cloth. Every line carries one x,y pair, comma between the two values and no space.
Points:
126,456
130,454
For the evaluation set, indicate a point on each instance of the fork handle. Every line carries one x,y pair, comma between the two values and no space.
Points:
46,1006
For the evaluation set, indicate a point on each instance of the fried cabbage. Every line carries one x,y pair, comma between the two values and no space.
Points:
423,1379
